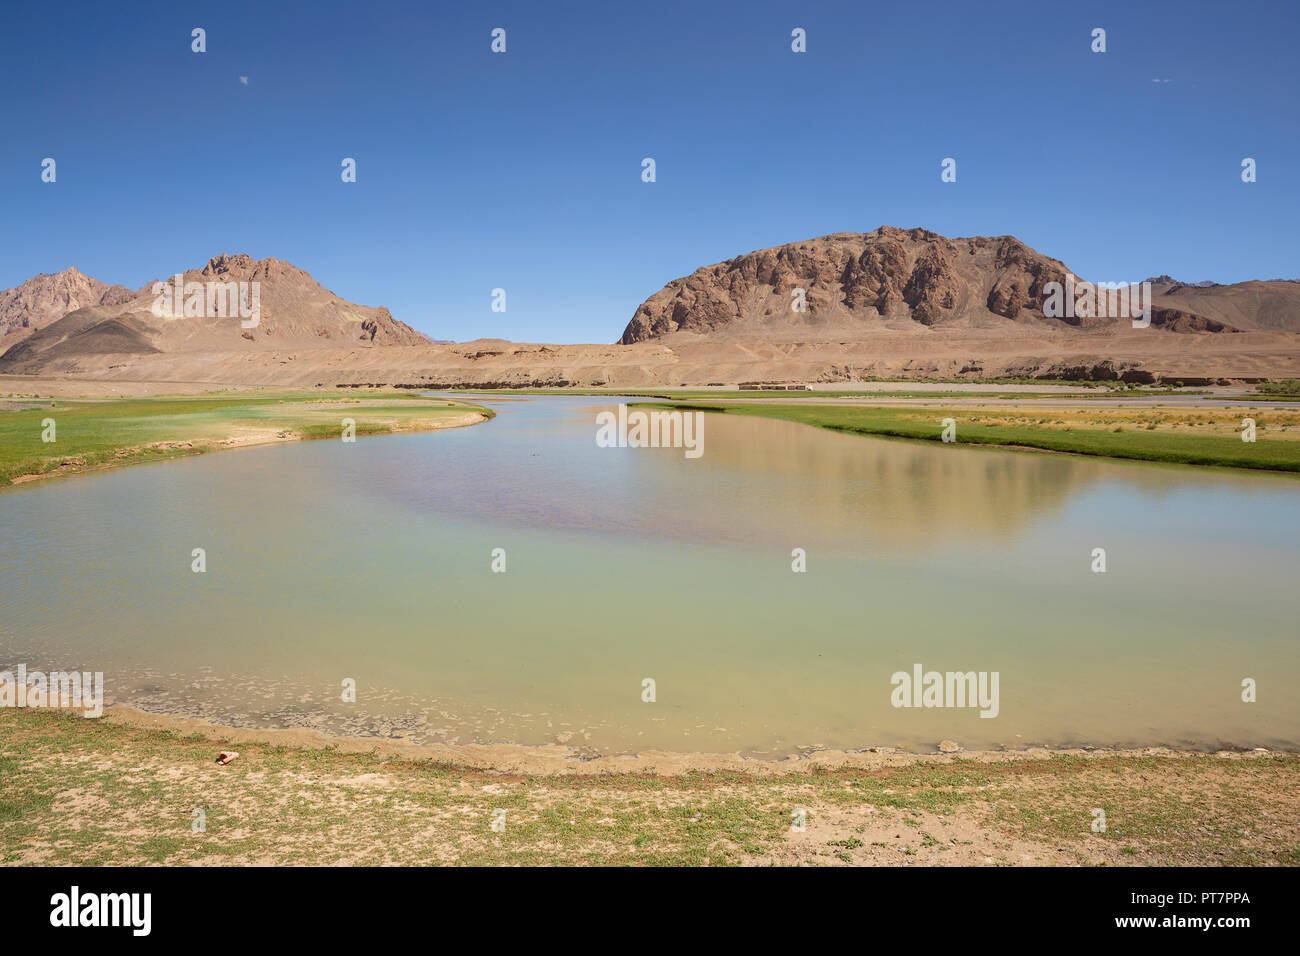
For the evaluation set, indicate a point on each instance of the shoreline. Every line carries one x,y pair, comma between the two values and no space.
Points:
192,449
95,792
562,760
1143,440
102,455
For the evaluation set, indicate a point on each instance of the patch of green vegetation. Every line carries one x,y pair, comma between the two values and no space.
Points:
1081,389
1289,857
1142,445
91,434
1287,390
18,801
724,393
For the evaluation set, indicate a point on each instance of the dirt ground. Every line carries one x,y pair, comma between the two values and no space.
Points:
119,792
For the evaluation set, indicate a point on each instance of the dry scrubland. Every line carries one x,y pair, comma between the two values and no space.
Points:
94,792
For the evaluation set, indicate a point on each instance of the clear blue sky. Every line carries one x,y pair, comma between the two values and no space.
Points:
523,170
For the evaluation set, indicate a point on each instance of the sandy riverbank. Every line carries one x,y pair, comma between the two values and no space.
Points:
560,759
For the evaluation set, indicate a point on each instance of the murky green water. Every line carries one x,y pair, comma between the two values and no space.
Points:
372,561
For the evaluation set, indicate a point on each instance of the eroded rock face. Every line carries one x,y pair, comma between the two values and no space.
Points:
46,298
893,275
295,305
1176,320
1020,279
293,311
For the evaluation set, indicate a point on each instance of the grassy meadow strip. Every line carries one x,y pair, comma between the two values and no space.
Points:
1084,390
1189,436
96,434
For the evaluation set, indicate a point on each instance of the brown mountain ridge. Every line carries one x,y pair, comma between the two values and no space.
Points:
859,284
46,298
890,304
294,310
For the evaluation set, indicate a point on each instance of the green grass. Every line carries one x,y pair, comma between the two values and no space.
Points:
96,434
1131,441
723,393
1099,390
1287,390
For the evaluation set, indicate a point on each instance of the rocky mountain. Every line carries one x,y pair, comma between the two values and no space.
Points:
891,304
858,285
48,297
1258,305
292,310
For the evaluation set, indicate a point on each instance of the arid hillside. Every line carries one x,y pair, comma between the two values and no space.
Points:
892,303
46,298
293,310
853,286
1267,306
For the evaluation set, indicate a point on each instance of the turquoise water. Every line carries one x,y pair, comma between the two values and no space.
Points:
372,561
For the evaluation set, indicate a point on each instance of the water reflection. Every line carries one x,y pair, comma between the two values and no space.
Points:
372,561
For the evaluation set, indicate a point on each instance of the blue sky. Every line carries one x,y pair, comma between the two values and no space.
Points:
523,170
